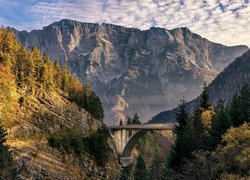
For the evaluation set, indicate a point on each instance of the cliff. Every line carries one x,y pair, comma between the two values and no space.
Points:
140,71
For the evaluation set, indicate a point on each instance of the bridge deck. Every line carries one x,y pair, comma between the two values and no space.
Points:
162,126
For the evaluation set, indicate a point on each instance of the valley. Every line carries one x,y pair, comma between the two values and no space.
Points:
75,100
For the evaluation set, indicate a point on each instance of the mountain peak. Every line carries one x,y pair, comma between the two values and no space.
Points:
149,69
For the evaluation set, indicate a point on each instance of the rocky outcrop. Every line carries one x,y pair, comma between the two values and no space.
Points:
40,115
149,70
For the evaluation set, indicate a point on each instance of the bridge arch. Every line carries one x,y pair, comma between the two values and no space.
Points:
133,140
126,143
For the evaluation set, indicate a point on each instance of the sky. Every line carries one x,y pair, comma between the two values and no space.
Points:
226,22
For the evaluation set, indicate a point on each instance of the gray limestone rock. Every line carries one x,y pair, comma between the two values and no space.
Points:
151,69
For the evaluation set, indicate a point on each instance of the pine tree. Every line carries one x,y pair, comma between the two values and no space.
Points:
7,170
64,79
57,73
181,117
220,124
239,107
37,60
129,120
46,74
204,103
154,170
140,169
234,111
244,97
57,65
91,103
199,128
100,111
19,67
136,119
167,172
184,144
95,106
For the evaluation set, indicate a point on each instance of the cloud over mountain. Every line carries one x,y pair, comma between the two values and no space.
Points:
218,20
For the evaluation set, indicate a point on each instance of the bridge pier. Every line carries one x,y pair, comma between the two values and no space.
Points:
126,161
124,139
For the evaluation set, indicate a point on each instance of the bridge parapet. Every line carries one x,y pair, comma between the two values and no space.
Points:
163,126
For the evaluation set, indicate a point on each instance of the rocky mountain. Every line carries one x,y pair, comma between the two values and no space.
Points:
223,86
130,69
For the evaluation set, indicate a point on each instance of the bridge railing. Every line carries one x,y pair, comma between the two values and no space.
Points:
144,126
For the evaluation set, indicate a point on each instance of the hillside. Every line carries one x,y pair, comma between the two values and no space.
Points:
36,105
133,70
223,86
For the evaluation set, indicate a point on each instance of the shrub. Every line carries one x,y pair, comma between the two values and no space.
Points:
72,140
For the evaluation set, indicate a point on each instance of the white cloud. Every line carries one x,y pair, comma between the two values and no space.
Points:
223,21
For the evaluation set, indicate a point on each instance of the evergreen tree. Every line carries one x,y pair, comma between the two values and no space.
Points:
234,111
154,170
244,97
129,120
136,119
239,107
167,172
64,79
140,169
184,144
204,103
19,67
8,42
7,170
36,57
46,74
181,117
94,106
98,145
57,73
199,128
220,124
56,65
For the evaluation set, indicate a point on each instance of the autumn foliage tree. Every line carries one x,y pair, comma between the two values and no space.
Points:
35,72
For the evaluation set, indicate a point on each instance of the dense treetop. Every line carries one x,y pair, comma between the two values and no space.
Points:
214,141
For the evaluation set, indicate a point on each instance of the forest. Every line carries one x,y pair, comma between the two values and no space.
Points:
35,73
211,143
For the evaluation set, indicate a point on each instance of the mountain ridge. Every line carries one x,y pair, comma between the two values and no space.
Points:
140,71
228,82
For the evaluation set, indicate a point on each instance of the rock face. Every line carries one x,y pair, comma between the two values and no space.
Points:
28,131
149,70
231,79
223,86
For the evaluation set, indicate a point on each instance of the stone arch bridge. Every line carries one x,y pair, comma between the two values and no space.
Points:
126,137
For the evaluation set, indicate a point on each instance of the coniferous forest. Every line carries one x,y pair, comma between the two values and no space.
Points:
212,142
34,72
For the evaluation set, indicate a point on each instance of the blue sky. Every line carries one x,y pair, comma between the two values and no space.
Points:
227,22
